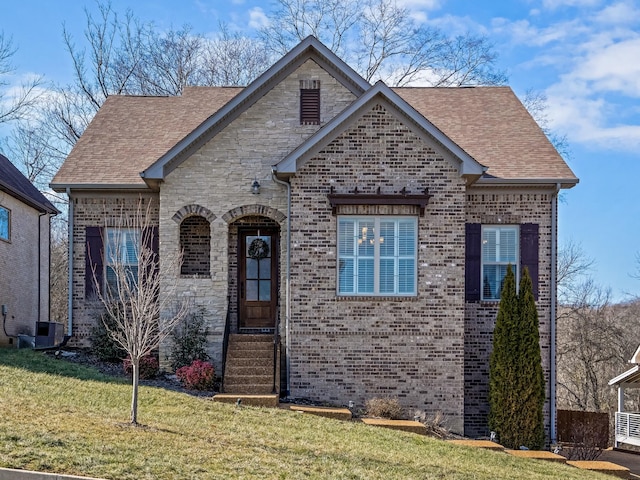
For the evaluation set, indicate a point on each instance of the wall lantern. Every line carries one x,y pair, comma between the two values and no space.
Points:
255,187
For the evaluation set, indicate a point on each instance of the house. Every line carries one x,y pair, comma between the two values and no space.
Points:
364,228
25,216
627,424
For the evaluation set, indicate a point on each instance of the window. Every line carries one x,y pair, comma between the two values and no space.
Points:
377,255
5,223
309,102
499,249
122,250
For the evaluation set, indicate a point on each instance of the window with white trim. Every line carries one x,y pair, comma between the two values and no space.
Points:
122,250
5,223
377,255
500,248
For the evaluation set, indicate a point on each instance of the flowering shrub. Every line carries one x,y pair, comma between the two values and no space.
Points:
197,376
149,367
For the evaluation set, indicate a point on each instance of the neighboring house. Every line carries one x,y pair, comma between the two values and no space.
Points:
370,226
25,215
627,424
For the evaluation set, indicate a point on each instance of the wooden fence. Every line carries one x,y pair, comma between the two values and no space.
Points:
584,428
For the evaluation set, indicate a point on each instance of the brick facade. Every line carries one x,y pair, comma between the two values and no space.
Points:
491,206
429,350
98,210
355,348
22,258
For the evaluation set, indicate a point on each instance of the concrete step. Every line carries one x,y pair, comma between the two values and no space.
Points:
248,361
249,379
269,400
232,370
486,444
246,353
249,389
404,425
336,413
538,455
237,338
607,468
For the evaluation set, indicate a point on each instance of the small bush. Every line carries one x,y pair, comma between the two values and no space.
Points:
197,376
189,340
103,346
149,367
384,408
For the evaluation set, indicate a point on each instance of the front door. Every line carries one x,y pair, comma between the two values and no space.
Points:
257,278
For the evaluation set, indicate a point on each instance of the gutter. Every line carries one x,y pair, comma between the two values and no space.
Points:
70,279
553,310
39,316
274,170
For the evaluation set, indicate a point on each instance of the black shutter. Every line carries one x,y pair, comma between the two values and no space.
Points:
310,106
529,242
473,250
93,261
151,241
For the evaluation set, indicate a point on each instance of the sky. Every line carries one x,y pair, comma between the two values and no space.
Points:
584,55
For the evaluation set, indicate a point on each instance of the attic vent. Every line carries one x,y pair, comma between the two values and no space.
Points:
309,102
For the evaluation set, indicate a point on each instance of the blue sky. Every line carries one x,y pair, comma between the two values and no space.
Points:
583,54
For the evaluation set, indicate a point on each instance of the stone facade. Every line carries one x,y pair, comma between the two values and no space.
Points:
23,258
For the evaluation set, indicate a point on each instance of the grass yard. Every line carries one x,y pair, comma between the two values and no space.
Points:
67,418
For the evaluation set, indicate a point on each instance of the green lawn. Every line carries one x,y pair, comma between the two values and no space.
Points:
66,418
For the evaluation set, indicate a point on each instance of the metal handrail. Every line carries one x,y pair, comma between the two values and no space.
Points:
225,340
276,342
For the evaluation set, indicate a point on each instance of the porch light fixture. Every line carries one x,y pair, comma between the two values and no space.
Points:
255,187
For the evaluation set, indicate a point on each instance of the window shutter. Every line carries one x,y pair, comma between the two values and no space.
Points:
529,243
310,106
473,250
151,240
93,261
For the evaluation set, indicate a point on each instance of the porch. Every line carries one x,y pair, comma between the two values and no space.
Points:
627,429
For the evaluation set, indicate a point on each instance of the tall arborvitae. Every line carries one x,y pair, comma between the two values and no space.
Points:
503,402
516,381
531,388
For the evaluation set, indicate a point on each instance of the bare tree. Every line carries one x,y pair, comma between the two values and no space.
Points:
536,103
233,60
15,104
385,42
133,299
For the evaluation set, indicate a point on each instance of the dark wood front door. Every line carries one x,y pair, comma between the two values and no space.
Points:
258,278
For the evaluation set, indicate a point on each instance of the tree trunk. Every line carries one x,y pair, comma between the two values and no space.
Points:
135,367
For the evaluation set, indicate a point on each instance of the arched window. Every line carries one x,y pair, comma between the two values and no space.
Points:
195,242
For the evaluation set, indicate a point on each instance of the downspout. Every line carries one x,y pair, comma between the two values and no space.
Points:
554,300
288,277
39,316
70,279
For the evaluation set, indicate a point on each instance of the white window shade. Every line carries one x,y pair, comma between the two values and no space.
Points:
377,255
500,248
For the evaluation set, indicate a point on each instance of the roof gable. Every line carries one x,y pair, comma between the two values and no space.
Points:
17,185
309,48
379,93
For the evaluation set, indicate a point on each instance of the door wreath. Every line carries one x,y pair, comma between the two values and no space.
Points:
258,249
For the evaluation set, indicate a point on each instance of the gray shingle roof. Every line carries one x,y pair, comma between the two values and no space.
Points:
17,185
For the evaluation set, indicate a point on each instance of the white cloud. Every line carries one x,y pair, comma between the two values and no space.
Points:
621,13
257,18
420,4
613,68
555,4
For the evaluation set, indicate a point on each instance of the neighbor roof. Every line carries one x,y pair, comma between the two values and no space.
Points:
18,186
